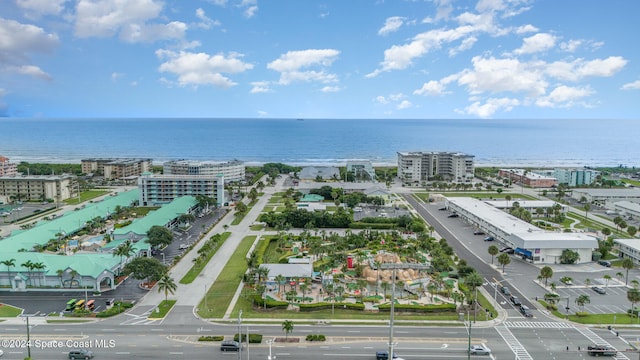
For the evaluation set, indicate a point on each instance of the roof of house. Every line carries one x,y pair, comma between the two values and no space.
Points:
325,172
159,217
289,270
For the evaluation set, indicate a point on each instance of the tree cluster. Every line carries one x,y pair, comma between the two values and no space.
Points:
300,218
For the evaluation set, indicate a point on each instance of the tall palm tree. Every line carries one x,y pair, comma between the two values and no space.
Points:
9,263
287,327
29,266
280,280
627,264
60,274
124,250
73,273
40,266
168,285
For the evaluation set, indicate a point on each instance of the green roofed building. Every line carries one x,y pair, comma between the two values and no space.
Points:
22,268
312,198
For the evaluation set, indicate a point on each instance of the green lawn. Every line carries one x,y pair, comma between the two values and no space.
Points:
85,196
197,268
164,308
257,227
9,311
219,296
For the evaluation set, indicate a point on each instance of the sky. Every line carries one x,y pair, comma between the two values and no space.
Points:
409,59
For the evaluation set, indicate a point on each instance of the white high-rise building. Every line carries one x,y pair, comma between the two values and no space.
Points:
158,189
417,167
233,170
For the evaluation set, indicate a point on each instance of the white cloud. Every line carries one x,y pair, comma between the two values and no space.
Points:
526,29
491,107
381,100
503,75
18,41
32,70
466,44
250,8
444,9
37,8
564,96
330,89
392,24
490,5
115,76
580,68
431,88
571,45
536,43
259,87
404,104
127,18
202,69
632,85
292,65
205,21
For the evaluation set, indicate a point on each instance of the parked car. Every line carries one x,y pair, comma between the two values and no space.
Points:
489,238
599,290
507,249
515,301
505,290
601,350
525,311
478,232
605,263
454,215
442,209
230,346
479,350
80,354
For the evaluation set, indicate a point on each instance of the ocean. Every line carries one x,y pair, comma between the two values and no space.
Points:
543,143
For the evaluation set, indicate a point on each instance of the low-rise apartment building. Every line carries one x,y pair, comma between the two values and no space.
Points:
38,187
7,168
156,189
527,178
112,168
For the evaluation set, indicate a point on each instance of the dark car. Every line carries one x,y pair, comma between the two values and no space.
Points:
489,238
478,232
605,263
505,290
384,355
507,249
515,301
601,350
230,346
80,354
454,215
599,290
525,311
442,209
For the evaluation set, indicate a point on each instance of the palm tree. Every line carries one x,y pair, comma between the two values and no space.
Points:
9,263
280,280
582,300
287,327
385,286
633,295
587,281
504,260
627,264
606,278
124,250
29,266
60,274
493,251
167,284
40,266
546,273
73,275
619,275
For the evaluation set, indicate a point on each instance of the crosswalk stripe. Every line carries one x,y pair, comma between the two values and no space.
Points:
538,324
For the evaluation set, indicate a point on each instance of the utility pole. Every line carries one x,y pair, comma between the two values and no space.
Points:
394,267
28,340
240,334
469,336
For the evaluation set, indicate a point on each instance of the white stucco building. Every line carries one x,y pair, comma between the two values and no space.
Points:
232,171
418,167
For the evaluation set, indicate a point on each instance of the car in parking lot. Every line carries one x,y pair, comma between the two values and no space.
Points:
478,232
489,238
454,215
479,350
601,350
515,301
505,290
525,311
605,263
384,355
507,249
599,290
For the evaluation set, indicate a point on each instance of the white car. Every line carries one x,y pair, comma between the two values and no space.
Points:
479,350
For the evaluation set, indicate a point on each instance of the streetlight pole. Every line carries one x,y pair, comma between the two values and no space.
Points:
270,342
240,334
469,337
28,340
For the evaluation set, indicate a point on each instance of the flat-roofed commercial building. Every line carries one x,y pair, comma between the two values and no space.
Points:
607,197
528,241
417,167
38,187
112,168
528,178
232,171
629,248
7,168
575,177
361,170
158,189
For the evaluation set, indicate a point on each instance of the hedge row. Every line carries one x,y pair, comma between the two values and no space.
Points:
211,338
327,305
253,338
270,303
262,249
434,308
315,337
363,225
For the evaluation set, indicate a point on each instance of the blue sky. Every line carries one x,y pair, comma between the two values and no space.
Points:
320,59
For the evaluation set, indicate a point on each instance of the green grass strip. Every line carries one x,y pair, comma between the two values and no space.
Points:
221,293
195,270
85,196
163,309
9,311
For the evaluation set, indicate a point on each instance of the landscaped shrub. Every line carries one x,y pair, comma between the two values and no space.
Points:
211,338
432,308
315,337
115,310
253,338
328,305
270,303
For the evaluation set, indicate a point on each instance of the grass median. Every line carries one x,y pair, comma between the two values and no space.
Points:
197,267
9,311
162,309
221,293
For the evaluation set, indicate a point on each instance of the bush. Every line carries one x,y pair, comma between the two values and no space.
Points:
582,314
115,310
315,337
432,308
327,305
270,303
253,338
211,338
